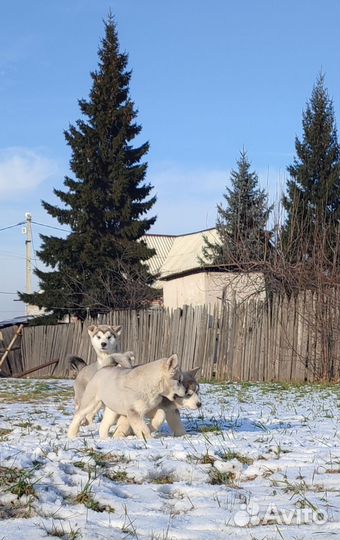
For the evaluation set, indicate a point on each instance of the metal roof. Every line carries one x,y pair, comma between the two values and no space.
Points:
177,254
15,321
186,251
162,245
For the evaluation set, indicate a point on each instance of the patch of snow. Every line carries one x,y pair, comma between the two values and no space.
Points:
258,461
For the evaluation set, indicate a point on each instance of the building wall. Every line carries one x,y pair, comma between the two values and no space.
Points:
190,290
233,285
211,287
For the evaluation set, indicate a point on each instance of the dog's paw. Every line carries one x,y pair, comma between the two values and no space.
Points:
119,435
179,433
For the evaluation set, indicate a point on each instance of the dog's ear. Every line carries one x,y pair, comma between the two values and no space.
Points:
194,370
172,364
91,329
117,330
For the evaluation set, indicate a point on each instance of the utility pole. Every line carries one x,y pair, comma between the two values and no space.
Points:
28,244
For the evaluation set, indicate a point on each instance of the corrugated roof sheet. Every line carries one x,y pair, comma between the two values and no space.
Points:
185,252
162,244
176,254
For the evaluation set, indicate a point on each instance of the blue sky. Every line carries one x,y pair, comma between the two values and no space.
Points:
208,78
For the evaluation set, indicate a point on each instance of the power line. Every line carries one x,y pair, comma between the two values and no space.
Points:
11,226
14,253
11,255
37,223
5,292
51,227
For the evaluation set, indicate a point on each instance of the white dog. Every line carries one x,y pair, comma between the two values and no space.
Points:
86,372
166,410
104,342
104,339
131,393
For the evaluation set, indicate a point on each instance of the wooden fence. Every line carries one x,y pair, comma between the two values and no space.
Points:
284,339
13,363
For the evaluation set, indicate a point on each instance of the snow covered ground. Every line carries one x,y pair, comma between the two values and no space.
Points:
260,461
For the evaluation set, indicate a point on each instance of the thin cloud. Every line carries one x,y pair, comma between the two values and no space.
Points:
172,179
22,170
187,198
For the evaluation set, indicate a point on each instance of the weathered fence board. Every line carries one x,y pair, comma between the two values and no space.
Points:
282,339
13,363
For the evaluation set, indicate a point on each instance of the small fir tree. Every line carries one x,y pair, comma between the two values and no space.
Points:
241,225
99,265
312,201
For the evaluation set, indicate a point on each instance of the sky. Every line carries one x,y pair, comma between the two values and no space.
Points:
208,79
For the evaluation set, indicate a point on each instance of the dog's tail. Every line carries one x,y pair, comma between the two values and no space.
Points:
76,363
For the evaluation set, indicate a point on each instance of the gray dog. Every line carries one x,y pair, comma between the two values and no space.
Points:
104,341
166,410
131,393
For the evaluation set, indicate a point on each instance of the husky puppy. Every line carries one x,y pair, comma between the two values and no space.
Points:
86,372
131,393
166,410
169,410
104,342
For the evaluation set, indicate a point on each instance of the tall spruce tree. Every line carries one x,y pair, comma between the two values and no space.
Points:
99,265
241,225
312,201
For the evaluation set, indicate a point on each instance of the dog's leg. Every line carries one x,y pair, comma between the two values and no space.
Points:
79,416
109,418
157,419
90,417
123,428
138,425
79,389
174,420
